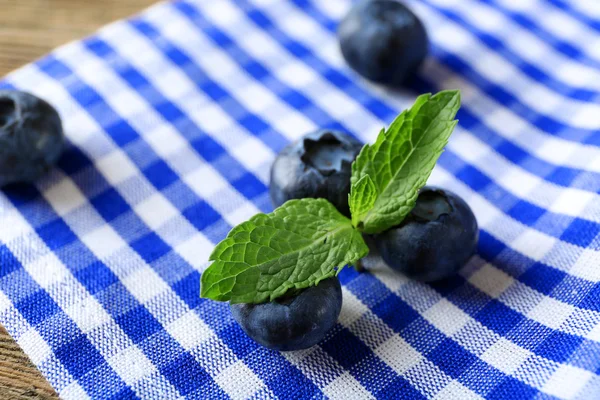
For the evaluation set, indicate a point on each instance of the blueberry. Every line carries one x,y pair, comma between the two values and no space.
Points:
318,166
31,137
383,41
435,240
293,322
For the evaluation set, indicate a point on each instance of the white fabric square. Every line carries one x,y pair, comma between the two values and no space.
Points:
189,330
34,345
131,365
214,355
223,13
528,45
10,217
144,284
519,182
390,278
241,214
506,356
103,241
185,161
238,381
205,181
534,93
536,370
586,115
470,148
302,26
73,391
581,322
47,270
311,363
594,334
567,381
339,105
300,358
65,197
173,83
533,244
551,312
569,28
506,122
594,165
428,378
491,280
487,215
475,337
456,391
521,298
398,354
294,125
335,9
116,167
79,127
195,251
446,317
155,211
557,151
86,68
257,97
371,329
165,141
129,102
253,154
297,74
88,314
352,308
346,387
572,202
5,302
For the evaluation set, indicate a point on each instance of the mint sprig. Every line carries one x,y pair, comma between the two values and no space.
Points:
308,240
365,196
401,160
296,246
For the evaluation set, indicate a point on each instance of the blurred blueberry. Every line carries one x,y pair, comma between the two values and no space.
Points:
31,137
383,41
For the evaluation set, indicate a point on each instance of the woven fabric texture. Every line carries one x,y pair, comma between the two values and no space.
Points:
173,120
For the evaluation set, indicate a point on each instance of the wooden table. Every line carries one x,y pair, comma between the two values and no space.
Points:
28,30
31,28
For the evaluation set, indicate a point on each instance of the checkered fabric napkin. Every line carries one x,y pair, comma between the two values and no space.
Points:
174,118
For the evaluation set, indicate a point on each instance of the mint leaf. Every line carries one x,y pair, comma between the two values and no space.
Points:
365,194
296,246
401,160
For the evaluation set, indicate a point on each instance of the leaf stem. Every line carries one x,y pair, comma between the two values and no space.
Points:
359,266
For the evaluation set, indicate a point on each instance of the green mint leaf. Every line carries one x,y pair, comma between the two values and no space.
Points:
401,160
296,246
365,194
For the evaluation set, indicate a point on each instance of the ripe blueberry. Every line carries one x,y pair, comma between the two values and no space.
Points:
318,166
293,322
383,41
31,137
435,240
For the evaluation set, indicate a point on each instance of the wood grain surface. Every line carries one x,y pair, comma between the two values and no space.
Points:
19,379
31,28
28,30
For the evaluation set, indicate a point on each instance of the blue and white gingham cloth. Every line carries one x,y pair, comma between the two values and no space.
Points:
174,118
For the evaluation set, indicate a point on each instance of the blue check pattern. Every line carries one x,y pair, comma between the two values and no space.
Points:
173,119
